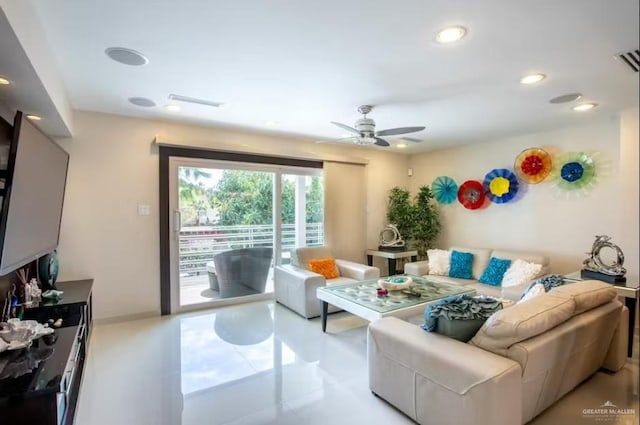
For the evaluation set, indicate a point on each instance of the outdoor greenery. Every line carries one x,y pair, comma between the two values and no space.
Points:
242,198
417,220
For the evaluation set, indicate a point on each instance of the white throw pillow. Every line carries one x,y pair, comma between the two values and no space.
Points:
535,291
439,262
520,272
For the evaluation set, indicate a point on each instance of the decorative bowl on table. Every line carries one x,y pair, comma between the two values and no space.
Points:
395,283
16,334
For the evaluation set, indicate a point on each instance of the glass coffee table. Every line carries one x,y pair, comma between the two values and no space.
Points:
361,299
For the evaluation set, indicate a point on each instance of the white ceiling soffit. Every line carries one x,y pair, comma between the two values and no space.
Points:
229,147
302,64
36,87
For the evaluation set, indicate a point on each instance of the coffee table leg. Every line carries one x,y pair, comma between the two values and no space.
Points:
631,305
392,266
324,307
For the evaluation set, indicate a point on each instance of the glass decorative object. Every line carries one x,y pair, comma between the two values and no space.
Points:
471,194
444,189
533,165
574,170
501,185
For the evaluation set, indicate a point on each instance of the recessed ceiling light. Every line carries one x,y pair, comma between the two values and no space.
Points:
172,108
4,81
142,101
565,98
271,123
401,145
33,117
584,107
126,56
532,78
450,35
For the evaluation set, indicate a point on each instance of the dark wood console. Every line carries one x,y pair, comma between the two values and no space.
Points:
43,382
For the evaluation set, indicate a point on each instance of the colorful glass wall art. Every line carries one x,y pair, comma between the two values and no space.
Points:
501,185
471,194
444,189
533,165
574,170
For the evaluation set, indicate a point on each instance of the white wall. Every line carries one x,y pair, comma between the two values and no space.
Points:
628,234
114,167
545,219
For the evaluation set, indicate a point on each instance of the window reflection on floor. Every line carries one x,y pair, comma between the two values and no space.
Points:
229,345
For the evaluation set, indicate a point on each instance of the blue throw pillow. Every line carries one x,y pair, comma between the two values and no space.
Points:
461,263
495,271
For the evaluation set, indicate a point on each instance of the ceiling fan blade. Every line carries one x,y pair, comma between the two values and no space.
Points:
411,139
345,127
399,130
381,142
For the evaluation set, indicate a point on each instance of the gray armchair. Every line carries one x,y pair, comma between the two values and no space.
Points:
242,271
295,285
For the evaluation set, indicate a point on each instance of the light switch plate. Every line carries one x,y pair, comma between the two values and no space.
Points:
144,209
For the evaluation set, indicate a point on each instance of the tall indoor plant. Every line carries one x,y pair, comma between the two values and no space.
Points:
417,220
400,212
427,221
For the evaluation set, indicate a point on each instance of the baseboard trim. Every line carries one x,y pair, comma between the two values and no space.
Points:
127,317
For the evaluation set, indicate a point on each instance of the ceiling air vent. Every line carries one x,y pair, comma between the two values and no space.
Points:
631,59
187,99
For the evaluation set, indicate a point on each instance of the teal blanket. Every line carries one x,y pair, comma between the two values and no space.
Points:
460,307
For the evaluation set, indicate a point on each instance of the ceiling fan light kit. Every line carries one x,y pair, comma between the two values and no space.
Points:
364,130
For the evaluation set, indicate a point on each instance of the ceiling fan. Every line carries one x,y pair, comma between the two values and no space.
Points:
365,134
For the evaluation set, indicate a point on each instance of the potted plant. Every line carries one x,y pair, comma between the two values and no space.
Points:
400,212
426,221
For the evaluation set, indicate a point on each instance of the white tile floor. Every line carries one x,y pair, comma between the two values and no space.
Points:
260,363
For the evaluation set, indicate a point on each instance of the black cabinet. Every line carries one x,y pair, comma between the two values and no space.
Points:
46,391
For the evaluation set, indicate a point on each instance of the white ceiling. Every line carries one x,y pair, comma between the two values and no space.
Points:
305,63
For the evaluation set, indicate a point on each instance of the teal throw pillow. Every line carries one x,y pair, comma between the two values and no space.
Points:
495,271
461,264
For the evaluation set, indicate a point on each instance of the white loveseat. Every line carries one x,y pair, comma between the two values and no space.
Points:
481,258
295,285
520,362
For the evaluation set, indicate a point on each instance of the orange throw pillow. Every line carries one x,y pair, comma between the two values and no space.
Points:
324,266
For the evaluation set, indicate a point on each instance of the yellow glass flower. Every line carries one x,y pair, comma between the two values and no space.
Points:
499,186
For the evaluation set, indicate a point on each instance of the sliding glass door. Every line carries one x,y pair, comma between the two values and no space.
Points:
225,239
302,212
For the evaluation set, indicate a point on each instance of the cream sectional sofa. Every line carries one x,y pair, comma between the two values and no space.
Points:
481,258
523,359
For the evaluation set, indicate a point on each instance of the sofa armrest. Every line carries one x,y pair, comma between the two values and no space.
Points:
617,355
296,288
436,379
357,271
417,268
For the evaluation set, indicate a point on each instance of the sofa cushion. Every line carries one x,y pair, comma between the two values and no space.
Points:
533,291
494,272
324,266
300,257
480,259
439,261
523,321
340,281
461,265
521,272
587,294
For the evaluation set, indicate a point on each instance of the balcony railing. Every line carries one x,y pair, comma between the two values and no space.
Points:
198,244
